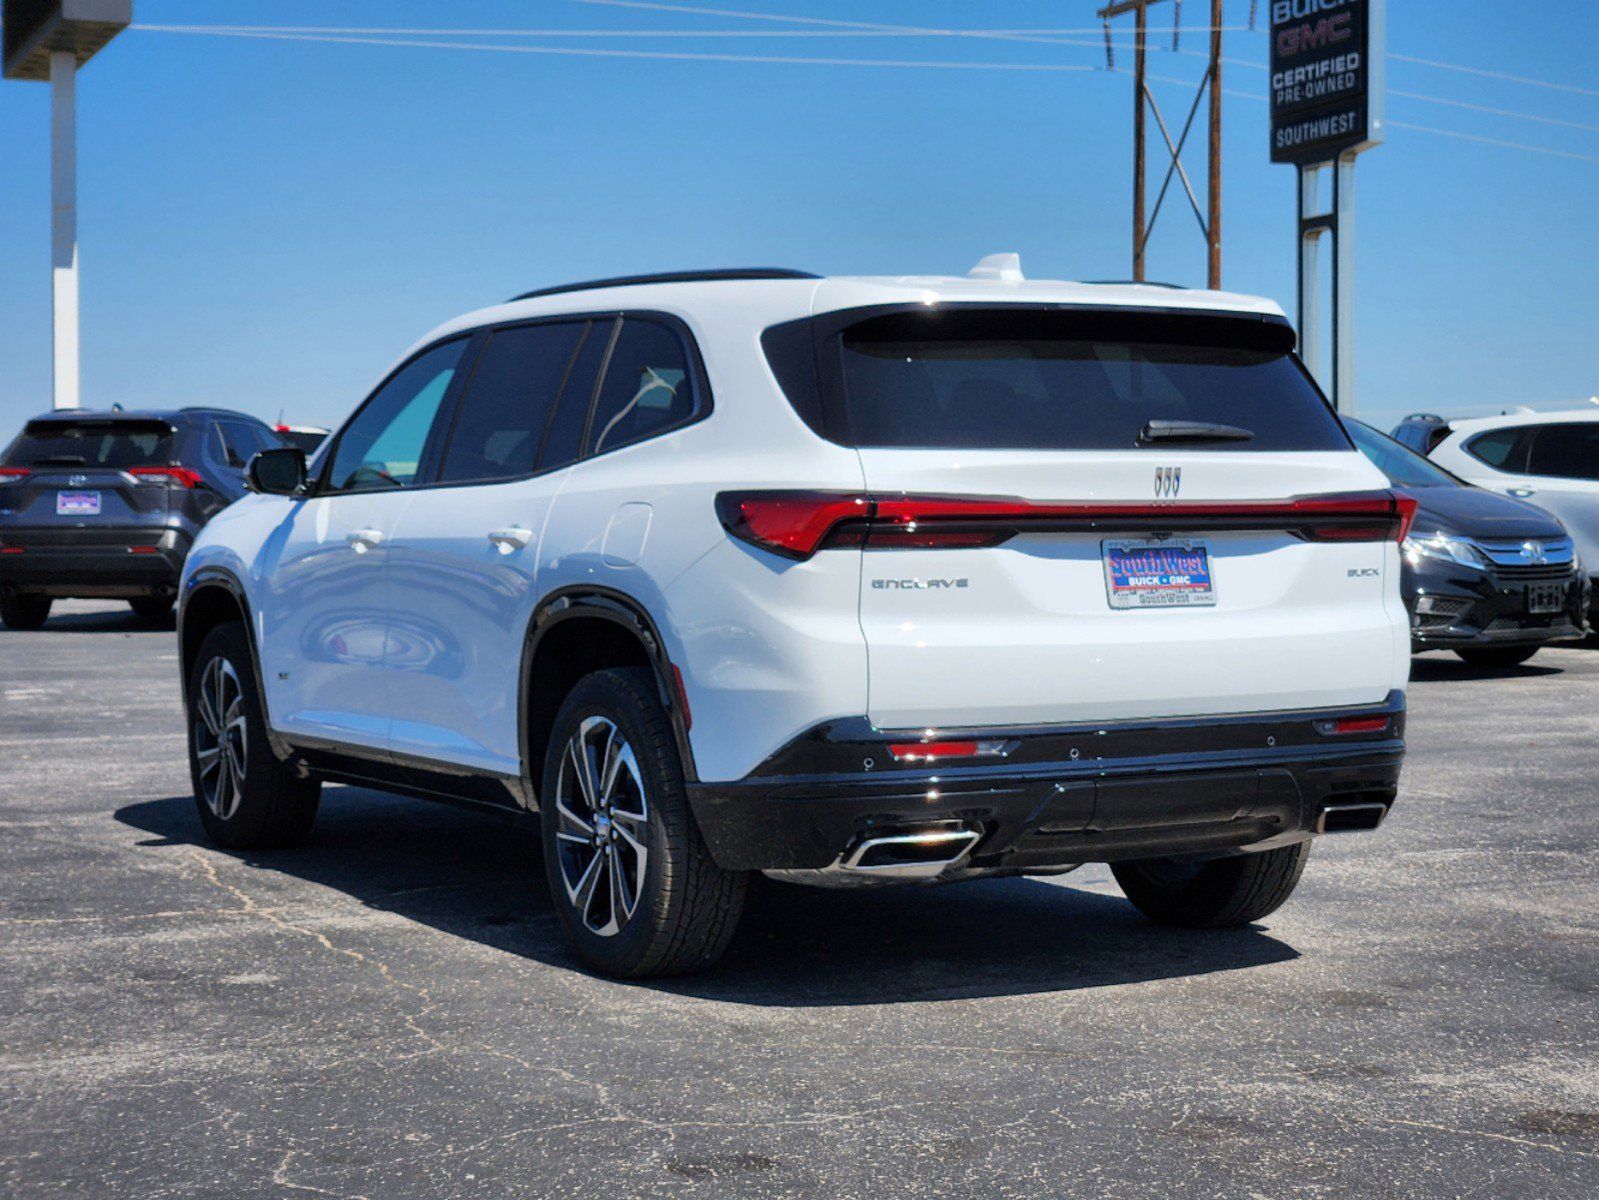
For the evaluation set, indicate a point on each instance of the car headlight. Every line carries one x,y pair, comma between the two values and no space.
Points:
1440,546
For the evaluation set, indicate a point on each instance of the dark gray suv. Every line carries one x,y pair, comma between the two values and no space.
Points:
107,504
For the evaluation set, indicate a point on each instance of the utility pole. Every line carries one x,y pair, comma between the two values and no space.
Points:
1145,106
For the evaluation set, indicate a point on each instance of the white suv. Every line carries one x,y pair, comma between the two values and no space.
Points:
847,580
1550,459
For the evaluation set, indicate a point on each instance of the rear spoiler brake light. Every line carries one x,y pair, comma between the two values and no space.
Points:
796,524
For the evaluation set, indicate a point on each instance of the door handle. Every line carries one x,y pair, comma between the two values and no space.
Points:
508,540
1523,492
362,540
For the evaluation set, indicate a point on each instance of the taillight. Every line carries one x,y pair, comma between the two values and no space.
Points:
179,475
13,474
797,524
792,524
1347,725
931,751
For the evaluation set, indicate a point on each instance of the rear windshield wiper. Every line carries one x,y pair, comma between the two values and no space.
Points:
1193,431
60,460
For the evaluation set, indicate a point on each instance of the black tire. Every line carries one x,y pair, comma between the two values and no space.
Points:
1497,657
24,612
685,907
270,805
151,608
1212,893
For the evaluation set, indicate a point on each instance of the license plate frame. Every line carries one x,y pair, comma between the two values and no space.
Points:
77,504
1174,573
1546,599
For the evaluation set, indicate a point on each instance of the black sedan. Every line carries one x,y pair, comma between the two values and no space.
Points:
1488,577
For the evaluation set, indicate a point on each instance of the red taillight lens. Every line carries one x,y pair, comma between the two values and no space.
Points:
13,474
793,524
798,524
13,550
180,475
1347,725
1357,517
931,751
142,550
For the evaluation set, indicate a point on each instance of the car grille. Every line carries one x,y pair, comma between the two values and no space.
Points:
1529,559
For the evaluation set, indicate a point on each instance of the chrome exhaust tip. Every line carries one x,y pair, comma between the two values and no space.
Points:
1351,818
924,853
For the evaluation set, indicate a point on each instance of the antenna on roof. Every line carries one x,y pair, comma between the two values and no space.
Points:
1002,268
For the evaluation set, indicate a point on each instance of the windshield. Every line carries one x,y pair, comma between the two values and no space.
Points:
1403,466
1060,380
109,444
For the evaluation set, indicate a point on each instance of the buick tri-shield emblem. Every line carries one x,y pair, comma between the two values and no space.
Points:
77,480
1168,482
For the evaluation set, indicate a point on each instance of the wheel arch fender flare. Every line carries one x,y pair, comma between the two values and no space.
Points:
595,602
217,580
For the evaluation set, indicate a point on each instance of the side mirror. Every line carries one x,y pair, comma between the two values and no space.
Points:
279,471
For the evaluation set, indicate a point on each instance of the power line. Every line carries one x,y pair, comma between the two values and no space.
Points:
316,35
584,52
1502,75
874,32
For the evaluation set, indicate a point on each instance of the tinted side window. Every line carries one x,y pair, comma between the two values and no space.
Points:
239,443
1498,449
382,445
647,388
1565,451
508,402
563,443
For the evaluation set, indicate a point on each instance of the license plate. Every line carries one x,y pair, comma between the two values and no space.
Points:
77,504
1548,598
1158,574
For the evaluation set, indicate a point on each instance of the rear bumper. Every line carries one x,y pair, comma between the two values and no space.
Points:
131,562
1060,796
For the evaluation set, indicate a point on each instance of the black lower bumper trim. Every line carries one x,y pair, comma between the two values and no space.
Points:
1165,788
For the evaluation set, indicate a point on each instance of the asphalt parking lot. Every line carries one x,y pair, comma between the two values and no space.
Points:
391,1012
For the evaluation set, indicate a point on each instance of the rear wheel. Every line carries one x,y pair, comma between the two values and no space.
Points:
24,612
1210,893
248,798
151,608
631,878
1497,656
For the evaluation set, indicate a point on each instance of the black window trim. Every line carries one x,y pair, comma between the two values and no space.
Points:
432,461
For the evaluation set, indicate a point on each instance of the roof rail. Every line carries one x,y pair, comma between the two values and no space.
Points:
1171,287
724,273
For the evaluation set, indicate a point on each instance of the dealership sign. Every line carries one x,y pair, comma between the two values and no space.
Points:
1326,78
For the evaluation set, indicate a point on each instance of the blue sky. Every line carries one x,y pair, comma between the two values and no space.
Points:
266,224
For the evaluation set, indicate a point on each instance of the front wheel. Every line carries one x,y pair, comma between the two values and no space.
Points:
631,878
248,798
1497,657
1212,893
24,612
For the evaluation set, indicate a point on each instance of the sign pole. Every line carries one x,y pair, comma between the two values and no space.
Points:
1343,330
64,223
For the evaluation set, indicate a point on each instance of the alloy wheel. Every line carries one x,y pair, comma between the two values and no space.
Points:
221,740
602,826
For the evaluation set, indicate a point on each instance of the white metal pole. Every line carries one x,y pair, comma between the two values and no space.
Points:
64,222
1344,288
1310,270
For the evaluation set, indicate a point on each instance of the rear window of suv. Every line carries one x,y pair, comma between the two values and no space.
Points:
111,444
1027,379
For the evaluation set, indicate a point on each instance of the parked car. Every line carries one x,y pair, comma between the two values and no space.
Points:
306,437
1491,578
848,580
107,504
1550,459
